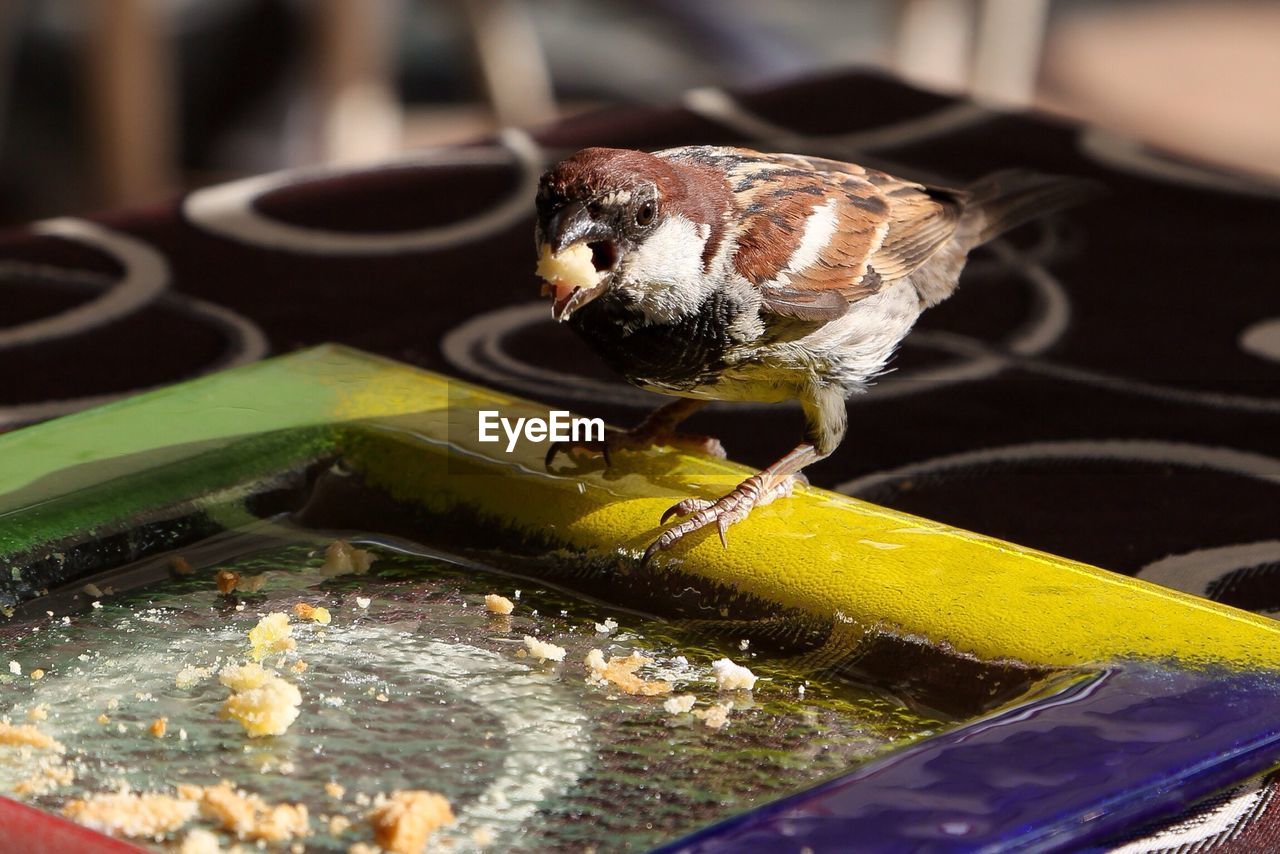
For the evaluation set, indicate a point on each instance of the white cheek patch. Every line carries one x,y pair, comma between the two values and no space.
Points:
664,275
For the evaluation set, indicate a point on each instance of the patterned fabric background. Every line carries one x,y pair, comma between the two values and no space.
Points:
1105,386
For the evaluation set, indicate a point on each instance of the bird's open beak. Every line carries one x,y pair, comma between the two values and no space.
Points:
576,259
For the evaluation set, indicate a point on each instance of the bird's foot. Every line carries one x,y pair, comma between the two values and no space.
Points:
756,491
637,440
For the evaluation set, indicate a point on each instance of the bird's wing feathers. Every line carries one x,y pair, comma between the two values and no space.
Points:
921,221
817,235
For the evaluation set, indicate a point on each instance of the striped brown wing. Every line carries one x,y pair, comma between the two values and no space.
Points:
816,235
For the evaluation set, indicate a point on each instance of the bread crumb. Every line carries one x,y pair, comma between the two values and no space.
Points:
715,716
621,671
243,677
38,713
570,269
27,735
123,813
52,774
679,704
338,825
496,604
320,615
159,727
249,816
226,580
189,675
404,821
732,677
364,848
607,627
181,566
37,673
93,590
334,790
103,719
200,841
15,668
262,702
251,583
298,666
272,634
482,836
542,650
341,558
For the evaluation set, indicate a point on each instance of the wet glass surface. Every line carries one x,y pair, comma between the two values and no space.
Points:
422,688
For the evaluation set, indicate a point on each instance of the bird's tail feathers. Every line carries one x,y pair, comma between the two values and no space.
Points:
1006,199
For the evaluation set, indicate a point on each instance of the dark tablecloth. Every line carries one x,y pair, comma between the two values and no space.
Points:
1105,386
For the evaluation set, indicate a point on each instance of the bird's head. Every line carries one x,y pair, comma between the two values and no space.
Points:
617,219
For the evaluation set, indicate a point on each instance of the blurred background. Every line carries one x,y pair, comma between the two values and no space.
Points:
111,102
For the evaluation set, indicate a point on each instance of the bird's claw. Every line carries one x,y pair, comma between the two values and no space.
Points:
684,508
600,448
724,512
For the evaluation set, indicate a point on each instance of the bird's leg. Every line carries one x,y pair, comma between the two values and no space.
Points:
825,412
658,428
756,491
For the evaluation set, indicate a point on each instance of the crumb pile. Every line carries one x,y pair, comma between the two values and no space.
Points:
341,558
714,716
272,634
190,676
136,815
621,671
404,821
50,774
316,614
543,651
732,677
234,582
679,704
226,580
248,816
496,604
265,703
153,815
262,702
27,735
200,841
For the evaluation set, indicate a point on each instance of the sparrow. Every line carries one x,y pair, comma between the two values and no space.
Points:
712,273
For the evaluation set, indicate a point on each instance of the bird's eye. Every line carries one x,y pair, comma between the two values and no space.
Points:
644,214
